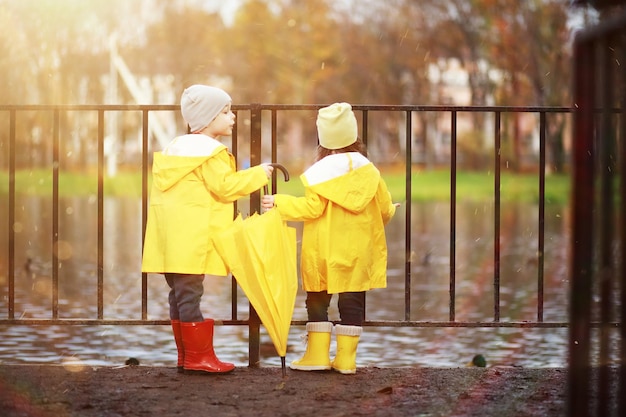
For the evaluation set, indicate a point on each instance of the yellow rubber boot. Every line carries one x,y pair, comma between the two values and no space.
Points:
316,357
347,341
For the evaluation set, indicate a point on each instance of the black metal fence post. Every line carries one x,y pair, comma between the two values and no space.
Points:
254,322
599,91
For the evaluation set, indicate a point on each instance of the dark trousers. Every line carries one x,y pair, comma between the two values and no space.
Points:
351,307
185,293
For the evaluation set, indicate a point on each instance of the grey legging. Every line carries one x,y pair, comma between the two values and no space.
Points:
351,307
184,297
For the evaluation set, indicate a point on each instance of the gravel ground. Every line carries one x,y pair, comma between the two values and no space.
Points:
50,390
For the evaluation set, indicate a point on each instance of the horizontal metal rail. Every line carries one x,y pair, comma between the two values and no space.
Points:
368,323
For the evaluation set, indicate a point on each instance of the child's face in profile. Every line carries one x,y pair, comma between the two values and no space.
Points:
223,123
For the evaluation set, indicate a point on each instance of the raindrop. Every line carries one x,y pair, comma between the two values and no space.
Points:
17,227
63,249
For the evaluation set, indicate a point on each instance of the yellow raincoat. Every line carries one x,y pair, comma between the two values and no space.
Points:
195,183
345,208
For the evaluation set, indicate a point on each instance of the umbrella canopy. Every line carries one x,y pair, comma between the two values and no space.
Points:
260,251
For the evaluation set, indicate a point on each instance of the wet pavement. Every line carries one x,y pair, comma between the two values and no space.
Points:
74,390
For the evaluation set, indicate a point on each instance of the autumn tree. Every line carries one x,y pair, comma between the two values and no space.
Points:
528,45
185,42
290,51
53,55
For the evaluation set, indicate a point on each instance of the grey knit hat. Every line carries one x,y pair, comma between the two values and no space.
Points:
200,104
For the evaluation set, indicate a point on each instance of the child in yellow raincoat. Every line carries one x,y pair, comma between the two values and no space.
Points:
345,208
195,183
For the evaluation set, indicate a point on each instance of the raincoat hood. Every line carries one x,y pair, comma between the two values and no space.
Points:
349,180
182,156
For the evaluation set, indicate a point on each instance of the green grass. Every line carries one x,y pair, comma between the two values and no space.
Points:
425,185
39,182
479,186
470,186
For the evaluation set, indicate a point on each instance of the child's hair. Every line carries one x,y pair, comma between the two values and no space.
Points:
357,146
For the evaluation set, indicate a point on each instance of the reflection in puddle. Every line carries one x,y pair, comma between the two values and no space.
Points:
77,346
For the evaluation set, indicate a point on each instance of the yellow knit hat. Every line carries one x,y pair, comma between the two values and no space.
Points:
336,126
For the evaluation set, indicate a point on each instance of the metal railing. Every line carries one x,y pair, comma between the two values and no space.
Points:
258,116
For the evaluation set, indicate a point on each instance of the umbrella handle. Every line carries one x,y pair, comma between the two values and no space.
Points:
281,168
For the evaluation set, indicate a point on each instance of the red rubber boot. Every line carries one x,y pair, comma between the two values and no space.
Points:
178,337
199,353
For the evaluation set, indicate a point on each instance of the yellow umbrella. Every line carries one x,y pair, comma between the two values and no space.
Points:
260,251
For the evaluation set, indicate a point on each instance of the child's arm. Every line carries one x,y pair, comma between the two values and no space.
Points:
291,208
229,185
